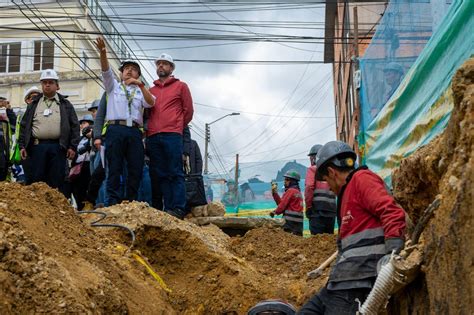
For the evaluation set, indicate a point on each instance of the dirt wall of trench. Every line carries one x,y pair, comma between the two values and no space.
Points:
443,168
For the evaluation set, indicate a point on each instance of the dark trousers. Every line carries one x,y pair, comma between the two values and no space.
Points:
80,184
338,302
4,158
124,144
319,224
97,178
166,170
48,164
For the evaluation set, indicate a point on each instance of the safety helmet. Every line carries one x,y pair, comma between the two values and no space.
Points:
292,174
49,74
33,89
393,66
88,118
165,57
130,62
337,152
279,306
314,149
94,105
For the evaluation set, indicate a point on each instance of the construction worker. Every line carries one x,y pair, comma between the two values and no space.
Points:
21,167
319,199
291,204
93,108
7,123
164,142
393,73
49,134
125,103
372,227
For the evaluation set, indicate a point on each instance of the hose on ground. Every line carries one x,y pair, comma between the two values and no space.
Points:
103,215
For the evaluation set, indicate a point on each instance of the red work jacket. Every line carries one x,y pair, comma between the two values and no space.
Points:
173,108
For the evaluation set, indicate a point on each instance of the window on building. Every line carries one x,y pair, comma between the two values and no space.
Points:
10,56
44,55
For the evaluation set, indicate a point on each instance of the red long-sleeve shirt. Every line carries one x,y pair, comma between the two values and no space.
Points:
173,108
291,200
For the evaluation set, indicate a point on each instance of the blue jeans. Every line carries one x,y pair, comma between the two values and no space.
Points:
124,145
166,170
334,302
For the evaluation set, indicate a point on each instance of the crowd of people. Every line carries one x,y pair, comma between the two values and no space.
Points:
129,130
133,128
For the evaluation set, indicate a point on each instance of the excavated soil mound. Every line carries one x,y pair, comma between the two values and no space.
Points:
443,168
51,261
211,273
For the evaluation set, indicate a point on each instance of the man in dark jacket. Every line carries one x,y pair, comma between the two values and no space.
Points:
49,133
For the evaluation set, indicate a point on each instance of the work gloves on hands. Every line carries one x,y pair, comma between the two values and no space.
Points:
391,244
272,214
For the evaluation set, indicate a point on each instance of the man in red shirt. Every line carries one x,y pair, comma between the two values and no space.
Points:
164,144
372,226
291,204
319,199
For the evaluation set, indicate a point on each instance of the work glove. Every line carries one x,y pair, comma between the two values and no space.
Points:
274,188
272,214
391,245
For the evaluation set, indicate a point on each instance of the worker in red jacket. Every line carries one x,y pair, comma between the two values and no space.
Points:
291,204
319,199
372,227
164,142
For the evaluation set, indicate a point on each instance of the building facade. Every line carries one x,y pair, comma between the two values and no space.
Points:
350,25
42,35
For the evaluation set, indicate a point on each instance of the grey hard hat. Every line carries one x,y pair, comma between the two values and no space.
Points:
292,174
393,66
314,149
130,62
94,105
337,152
87,117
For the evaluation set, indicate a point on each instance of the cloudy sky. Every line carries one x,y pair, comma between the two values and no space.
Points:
285,108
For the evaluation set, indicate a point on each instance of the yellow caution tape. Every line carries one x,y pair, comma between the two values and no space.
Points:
152,272
148,268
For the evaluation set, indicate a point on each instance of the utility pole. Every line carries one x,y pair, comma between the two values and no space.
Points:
237,179
207,139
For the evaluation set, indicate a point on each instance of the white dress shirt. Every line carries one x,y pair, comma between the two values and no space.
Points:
117,102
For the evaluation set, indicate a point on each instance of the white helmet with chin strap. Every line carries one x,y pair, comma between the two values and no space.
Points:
49,74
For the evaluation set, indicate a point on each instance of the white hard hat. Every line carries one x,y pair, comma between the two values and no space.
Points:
49,74
33,89
165,57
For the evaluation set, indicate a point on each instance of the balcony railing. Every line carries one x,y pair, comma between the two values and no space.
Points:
111,33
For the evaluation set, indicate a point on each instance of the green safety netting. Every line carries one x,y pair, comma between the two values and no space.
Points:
395,121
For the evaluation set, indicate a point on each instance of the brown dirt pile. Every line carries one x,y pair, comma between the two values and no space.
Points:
211,273
51,261
445,168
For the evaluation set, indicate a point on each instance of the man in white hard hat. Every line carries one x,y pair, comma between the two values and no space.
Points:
124,115
49,134
172,112
31,94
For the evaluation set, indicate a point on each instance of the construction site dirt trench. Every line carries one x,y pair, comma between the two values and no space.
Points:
52,261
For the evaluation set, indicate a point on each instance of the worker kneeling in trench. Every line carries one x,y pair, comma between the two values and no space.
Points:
372,227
